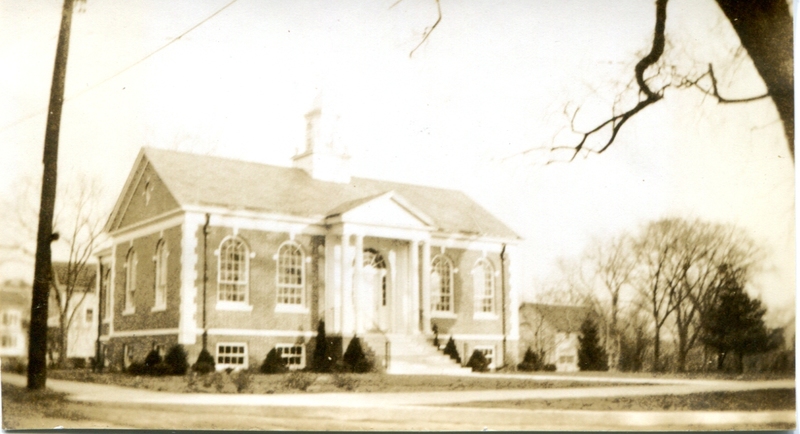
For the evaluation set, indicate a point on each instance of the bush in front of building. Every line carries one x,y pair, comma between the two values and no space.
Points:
530,362
591,355
327,352
205,363
355,360
152,359
273,363
477,362
451,350
176,359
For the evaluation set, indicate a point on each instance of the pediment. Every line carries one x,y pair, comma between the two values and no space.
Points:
388,209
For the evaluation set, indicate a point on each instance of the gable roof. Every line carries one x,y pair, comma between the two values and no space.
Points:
203,180
563,318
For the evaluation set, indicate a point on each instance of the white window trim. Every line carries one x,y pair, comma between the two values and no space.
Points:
85,312
302,355
223,366
109,305
227,304
131,263
291,307
450,312
161,259
484,265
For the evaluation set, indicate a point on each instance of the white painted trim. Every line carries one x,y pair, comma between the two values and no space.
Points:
233,306
254,332
476,337
158,308
485,316
221,216
187,322
147,332
479,245
149,226
445,315
129,311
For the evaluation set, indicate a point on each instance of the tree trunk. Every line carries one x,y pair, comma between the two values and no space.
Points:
63,335
765,30
657,350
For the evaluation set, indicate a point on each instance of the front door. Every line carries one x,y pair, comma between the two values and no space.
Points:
375,291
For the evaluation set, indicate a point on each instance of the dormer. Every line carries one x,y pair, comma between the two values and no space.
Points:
323,158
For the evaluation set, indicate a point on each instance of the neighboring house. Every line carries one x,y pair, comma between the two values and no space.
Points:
552,331
15,313
251,257
82,331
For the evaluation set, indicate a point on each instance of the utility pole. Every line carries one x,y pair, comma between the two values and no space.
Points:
37,345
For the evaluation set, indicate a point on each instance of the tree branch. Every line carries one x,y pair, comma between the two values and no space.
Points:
714,90
428,30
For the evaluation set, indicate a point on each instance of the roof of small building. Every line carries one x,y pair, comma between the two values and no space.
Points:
214,181
563,318
84,279
15,294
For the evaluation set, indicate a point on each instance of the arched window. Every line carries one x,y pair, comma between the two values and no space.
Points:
483,285
441,284
291,274
160,261
130,280
234,267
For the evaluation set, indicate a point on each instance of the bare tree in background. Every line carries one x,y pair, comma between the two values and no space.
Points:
613,265
78,221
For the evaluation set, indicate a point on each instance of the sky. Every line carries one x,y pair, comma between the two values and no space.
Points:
492,82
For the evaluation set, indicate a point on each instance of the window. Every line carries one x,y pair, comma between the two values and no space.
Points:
127,355
9,341
231,356
160,260
566,359
130,280
487,352
11,319
293,355
441,284
233,271
291,276
483,283
88,315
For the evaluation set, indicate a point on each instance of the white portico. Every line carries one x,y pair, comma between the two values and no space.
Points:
377,267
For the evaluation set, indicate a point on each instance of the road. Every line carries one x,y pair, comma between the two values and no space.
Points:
137,408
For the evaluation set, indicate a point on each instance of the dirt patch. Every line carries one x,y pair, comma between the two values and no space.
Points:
753,400
308,382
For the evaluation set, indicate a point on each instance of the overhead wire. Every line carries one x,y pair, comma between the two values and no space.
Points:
122,71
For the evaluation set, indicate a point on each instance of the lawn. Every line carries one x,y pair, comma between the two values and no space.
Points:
300,382
752,400
21,407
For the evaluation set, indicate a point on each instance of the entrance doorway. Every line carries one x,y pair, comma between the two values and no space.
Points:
375,293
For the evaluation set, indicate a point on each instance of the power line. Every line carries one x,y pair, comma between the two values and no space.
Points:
122,71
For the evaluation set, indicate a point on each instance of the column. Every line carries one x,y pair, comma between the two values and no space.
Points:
426,287
333,301
414,266
358,308
346,287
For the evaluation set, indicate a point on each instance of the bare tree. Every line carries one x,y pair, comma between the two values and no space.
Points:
78,222
613,265
74,282
765,31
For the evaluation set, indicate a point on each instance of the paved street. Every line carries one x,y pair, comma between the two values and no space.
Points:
415,410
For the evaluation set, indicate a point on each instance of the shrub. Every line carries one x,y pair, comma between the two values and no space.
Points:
591,355
274,363
176,360
477,361
160,370
451,350
16,365
137,368
321,360
299,380
550,367
76,363
530,362
354,358
205,363
152,359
